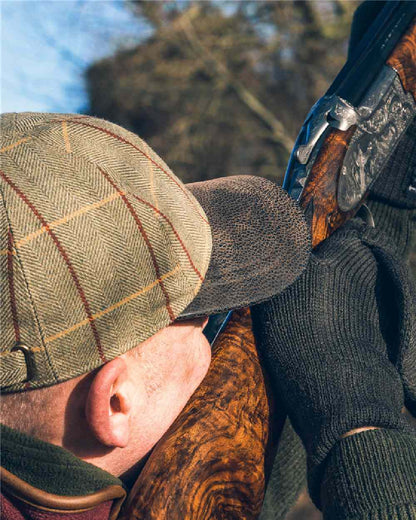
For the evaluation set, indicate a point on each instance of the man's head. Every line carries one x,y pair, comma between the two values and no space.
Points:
115,414
103,250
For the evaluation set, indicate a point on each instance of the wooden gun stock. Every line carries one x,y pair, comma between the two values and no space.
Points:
212,463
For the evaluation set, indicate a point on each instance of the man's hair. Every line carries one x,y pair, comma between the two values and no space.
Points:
32,412
35,412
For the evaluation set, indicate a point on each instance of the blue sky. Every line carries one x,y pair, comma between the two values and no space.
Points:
47,45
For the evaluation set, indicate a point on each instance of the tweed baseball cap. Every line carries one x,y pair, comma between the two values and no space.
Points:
102,245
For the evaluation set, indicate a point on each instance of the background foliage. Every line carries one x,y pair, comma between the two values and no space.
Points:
222,88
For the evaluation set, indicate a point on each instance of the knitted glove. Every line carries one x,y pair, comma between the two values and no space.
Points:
330,340
392,198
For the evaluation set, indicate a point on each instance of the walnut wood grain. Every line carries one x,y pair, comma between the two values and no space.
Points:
403,59
211,463
319,197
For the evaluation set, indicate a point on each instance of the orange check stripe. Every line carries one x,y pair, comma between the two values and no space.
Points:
14,145
145,238
122,140
55,223
113,307
66,137
166,219
66,259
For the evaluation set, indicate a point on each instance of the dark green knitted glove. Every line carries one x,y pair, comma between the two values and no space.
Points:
330,341
392,201
392,198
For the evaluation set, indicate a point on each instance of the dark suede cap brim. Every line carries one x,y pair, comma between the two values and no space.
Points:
261,243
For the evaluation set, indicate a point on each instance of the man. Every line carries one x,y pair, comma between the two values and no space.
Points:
102,250
95,229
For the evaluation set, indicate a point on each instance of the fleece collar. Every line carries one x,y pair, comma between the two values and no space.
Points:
51,477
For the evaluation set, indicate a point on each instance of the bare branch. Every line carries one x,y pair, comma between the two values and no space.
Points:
279,134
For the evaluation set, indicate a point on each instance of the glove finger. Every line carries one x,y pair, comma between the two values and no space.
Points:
396,297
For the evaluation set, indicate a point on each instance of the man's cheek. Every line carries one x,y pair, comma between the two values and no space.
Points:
201,360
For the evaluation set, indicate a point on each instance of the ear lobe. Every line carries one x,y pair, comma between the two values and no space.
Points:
108,404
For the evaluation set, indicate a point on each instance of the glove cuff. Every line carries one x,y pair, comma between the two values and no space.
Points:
372,471
331,434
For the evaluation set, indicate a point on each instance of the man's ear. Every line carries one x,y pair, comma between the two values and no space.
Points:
109,404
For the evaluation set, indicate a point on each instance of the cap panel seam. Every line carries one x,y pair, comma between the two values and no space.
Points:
145,238
164,170
166,219
32,303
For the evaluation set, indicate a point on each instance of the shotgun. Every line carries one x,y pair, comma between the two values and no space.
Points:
214,461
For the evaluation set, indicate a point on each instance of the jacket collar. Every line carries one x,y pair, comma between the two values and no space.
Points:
52,478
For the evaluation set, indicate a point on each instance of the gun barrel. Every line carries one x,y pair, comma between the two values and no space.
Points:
343,147
361,70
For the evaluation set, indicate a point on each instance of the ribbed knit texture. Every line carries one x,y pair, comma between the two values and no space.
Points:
392,201
287,478
396,185
397,223
371,476
330,342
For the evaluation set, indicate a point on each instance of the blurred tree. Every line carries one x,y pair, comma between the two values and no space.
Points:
222,88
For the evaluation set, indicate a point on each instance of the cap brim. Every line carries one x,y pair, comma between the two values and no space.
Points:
261,243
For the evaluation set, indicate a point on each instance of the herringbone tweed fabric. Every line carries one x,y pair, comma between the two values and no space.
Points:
100,246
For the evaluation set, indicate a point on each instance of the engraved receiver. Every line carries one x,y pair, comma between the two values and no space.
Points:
352,130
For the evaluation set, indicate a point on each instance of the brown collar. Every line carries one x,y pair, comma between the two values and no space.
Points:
14,486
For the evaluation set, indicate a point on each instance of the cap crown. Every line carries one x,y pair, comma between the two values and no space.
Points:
101,246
